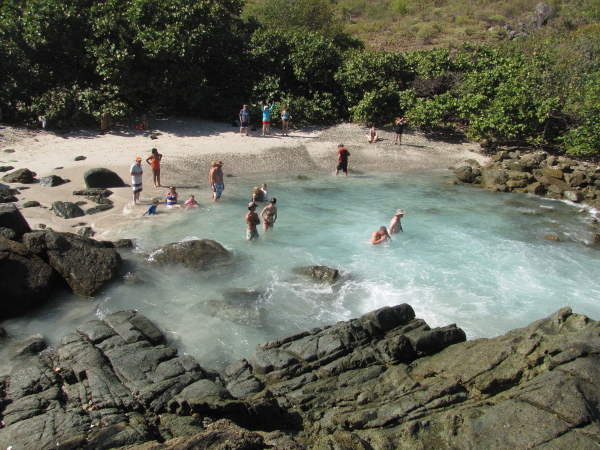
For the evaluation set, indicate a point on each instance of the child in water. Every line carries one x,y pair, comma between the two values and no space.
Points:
152,208
263,190
257,195
190,203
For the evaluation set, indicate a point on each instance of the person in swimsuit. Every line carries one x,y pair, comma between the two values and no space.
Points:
285,121
244,120
256,194
263,190
190,203
266,121
269,214
152,208
215,180
252,220
154,161
171,198
136,179
399,128
395,224
380,236
372,135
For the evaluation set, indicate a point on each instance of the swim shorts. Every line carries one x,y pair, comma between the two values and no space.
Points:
266,122
245,124
343,167
251,234
218,190
137,187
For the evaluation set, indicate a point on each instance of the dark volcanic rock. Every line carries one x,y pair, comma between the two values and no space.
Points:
25,280
94,192
85,264
67,210
466,174
6,168
31,204
8,233
25,176
51,181
11,217
98,208
196,254
102,178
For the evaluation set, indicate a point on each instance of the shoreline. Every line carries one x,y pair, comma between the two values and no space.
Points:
188,145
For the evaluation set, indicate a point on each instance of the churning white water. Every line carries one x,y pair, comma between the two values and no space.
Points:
467,256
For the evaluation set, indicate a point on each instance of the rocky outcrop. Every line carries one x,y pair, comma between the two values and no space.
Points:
322,273
102,178
380,382
24,176
537,173
11,217
26,279
85,264
194,254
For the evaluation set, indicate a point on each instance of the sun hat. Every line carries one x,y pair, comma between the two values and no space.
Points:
399,212
138,158
216,163
252,205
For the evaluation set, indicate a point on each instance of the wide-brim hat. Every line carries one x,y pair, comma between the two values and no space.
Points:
216,163
399,212
252,205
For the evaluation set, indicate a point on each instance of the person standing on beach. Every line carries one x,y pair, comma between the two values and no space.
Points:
269,214
380,236
136,179
395,224
244,120
266,120
399,129
154,161
252,220
215,180
342,160
285,121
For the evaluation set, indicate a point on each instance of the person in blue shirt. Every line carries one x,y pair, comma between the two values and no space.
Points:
244,120
152,208
266,121
285,121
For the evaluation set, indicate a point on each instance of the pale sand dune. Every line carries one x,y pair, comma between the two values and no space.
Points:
188,145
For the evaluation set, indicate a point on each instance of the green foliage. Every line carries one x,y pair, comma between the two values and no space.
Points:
378,108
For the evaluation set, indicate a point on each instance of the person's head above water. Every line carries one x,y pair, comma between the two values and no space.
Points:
251,206
273,201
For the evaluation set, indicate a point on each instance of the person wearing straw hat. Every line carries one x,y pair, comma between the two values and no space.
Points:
395,224
215,179
136,179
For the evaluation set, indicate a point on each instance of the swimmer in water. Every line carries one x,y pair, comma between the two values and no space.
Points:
380,236
269,214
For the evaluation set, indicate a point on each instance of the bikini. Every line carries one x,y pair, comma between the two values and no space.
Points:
171,200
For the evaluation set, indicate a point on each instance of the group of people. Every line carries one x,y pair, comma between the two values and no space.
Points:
383,233
373,136
253,219
244,119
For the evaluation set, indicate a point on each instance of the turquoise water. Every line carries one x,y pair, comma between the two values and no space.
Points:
467,256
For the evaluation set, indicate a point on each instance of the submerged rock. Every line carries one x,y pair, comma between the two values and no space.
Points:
195,254
322,273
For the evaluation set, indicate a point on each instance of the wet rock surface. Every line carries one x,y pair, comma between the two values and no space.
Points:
85,264
380,382
194,254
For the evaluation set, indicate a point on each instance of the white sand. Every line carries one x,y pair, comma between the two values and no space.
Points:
188,145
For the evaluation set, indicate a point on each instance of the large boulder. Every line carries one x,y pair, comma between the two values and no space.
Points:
102,178
85,264
11,217
195,254
495,179
24,176
26,280
466,174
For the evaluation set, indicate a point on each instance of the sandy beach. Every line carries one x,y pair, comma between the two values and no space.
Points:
188,145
